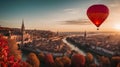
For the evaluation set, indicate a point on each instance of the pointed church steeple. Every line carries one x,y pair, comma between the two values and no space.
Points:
23,32
85,35
23,27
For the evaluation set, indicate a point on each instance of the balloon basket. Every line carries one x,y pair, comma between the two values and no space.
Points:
97,28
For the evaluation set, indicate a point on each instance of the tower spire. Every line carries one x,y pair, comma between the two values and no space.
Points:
23,32
85,35
23,27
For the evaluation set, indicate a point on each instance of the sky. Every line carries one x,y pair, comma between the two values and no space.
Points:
57,15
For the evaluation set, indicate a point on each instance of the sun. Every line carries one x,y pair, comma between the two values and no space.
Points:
117,27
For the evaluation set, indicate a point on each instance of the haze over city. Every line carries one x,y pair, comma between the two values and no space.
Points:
59,33
57,15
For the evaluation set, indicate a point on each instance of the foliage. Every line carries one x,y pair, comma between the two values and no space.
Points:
33,60
13,49
66,61
89,57
49,61
58,62
7,60
89,60
41,56
78,60
63,61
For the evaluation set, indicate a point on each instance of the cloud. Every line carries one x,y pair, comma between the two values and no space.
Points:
72,11
77,22
112,3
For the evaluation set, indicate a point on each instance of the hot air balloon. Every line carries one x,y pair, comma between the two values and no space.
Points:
97,14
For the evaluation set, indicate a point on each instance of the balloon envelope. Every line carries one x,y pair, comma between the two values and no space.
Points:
97,14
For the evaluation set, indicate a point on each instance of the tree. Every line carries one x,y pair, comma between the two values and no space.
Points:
41,56
89,59
7,60
58,62
66,61
13,49
49,61
104,61
33,60
78,60
63,61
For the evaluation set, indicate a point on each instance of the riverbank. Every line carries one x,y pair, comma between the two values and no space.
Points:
71,45
87,48
79,50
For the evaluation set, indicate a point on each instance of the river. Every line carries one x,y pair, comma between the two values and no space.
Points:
79,50
25,53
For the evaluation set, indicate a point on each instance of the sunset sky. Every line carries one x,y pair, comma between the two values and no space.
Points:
57,15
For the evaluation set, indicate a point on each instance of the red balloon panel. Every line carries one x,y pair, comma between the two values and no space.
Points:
97,20
97,14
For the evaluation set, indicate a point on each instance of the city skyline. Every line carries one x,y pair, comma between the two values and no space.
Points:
57,15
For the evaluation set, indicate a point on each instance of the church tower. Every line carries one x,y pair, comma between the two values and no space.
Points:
85,35
22,33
